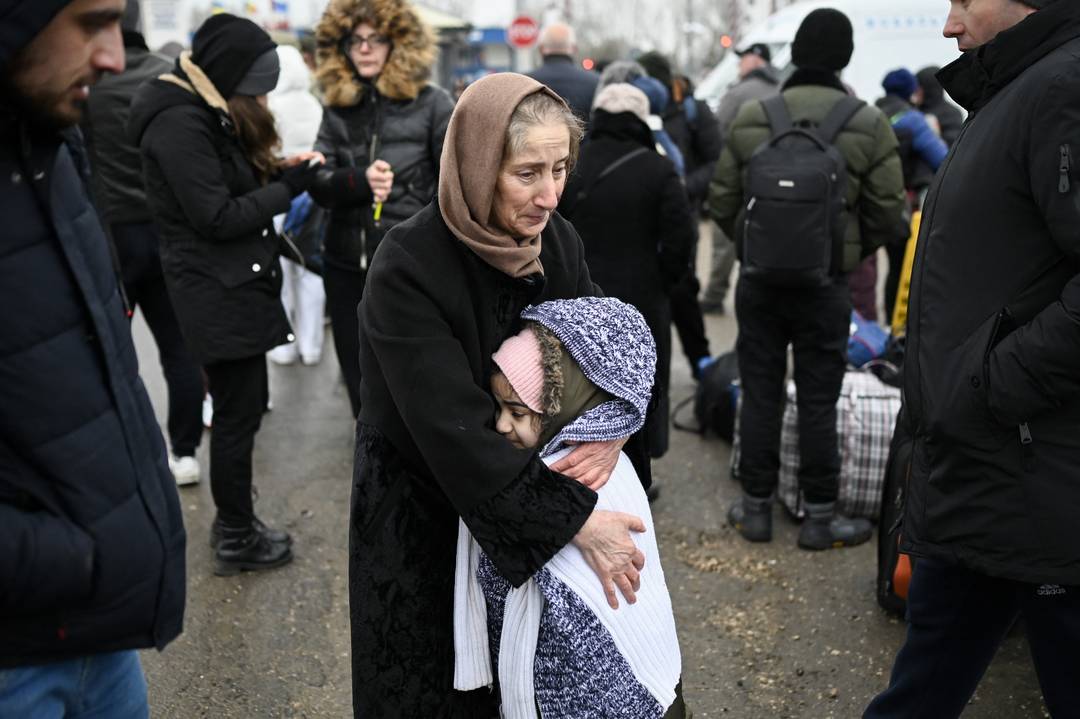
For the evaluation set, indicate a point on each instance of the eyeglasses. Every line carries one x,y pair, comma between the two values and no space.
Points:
372,41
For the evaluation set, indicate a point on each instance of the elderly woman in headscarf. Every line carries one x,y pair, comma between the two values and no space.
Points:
444,290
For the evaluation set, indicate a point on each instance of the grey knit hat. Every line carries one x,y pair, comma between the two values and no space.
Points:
615,350
623,97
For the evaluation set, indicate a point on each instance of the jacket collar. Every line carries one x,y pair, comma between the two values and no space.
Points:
765,74
974,79
620,126
810,76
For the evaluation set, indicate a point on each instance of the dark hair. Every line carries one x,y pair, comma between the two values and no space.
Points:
257,132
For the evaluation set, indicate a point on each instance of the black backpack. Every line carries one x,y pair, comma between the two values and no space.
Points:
714,400
795,216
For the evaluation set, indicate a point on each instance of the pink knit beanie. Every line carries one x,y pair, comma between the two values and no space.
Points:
520,360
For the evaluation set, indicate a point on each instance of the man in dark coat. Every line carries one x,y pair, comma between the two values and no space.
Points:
560,71
693,128
91,535
991,385
629,206
117,181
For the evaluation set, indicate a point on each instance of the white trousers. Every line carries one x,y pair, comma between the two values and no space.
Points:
304,299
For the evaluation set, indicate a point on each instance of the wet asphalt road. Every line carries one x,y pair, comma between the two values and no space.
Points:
767,631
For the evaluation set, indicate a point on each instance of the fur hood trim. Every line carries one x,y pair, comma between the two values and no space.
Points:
197,83
411,56
551,351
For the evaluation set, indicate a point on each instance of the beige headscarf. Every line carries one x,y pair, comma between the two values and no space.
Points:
471,158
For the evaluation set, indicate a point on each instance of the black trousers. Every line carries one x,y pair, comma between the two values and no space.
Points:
896,254
240,391
687,317
815,323
956,621
137,247
344,290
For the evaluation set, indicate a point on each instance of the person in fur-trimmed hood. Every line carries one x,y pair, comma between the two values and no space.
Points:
382,135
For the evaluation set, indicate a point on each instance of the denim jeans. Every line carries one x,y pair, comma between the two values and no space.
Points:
100,686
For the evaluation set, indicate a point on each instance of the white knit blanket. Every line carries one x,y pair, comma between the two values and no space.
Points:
644,633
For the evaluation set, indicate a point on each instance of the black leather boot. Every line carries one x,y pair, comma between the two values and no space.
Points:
824,529
752,517
278,536
247,549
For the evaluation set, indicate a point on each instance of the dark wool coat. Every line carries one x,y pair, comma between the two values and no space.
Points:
218,245
427,453
992,376
699,141
636,225
91,535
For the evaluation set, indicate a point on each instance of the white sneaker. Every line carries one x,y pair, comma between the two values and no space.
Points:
208,411
185,470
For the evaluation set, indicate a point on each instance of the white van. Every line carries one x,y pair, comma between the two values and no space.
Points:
888,35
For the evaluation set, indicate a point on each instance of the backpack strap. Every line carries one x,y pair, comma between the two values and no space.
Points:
777,113
838,118
584,192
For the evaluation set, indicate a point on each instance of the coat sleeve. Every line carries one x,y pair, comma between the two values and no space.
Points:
729,107
706,152
442,107
677,230
726,187
881,195
182,144
1033,370
519,511
44,559
339,184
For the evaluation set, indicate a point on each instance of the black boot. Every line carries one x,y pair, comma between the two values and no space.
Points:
824,529
752,517
247,549
277,536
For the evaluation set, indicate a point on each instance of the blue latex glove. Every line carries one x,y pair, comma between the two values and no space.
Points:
298,213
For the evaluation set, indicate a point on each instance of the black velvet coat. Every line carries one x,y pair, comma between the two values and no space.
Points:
427,453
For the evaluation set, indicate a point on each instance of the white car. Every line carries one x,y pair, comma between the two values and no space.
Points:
888,35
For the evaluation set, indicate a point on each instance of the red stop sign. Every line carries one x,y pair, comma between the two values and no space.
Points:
523,31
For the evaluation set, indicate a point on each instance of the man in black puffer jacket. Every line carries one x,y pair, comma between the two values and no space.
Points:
991,380
91,535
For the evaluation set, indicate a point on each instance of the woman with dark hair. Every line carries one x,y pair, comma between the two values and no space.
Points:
446,288
215,183
382,135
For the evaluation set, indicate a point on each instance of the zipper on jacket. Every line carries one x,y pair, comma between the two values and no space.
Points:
1027,447
1064,169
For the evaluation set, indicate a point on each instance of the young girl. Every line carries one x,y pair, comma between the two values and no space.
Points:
580,371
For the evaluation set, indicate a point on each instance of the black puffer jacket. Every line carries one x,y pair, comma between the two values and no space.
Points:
91,535
992,379
218,245
117,164
408,134
427,453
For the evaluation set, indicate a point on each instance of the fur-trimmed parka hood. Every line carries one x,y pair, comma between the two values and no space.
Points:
407,68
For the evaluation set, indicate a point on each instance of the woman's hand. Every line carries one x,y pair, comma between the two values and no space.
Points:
605,542
381,179
304,157
591,463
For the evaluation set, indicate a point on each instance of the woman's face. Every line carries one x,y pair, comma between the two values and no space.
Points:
514,420
532,180
368,50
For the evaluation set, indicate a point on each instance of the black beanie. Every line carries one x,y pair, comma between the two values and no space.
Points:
21,21
824,41
1038,4
657,66
225,47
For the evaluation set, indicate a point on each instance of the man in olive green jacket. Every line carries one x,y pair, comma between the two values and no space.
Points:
813,320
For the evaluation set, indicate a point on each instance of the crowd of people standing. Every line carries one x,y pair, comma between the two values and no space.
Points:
501,275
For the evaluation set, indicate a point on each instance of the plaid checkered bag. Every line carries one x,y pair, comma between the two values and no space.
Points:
865,419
